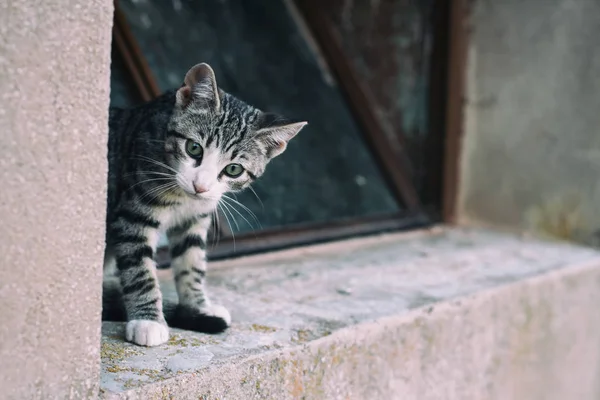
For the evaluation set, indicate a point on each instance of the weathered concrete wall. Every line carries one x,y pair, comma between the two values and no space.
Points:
532,146
54,80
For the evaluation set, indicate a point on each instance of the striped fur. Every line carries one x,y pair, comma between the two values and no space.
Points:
167,173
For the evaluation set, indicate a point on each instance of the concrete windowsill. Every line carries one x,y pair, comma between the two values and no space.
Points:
307,319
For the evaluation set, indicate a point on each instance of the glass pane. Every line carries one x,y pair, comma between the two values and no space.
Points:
390,44
259,55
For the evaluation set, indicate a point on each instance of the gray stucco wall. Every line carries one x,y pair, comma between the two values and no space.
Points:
531,154
54,81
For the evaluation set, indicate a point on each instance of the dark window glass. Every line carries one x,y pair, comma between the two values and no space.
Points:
392,44
260,55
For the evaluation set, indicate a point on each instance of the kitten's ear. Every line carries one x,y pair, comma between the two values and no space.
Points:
200,87
274,132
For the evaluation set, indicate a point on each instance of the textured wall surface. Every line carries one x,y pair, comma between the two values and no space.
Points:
532,148
54,82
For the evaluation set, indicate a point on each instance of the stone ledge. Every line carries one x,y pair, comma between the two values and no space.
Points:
444,314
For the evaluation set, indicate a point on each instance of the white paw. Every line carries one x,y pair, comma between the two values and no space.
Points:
218,311
146,333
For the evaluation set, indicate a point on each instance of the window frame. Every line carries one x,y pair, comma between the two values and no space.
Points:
392,160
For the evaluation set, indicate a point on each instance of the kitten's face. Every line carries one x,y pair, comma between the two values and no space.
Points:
211,160
218,144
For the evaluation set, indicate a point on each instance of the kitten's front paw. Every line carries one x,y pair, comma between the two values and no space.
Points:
207,319
146,333
218,311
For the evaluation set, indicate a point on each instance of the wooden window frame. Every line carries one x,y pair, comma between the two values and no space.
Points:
393,162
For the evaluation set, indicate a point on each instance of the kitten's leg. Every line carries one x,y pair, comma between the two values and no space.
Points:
134,233
188,252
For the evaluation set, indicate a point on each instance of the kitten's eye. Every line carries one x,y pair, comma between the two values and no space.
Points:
233,170
194,149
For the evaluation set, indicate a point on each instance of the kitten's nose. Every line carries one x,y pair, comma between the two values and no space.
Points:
199,188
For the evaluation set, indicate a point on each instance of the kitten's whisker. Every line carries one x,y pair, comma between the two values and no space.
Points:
228,223
157,193
239,213
155,189
148,173
159,190
245,209
155,162
150,180
258,198
211,197
226,207
158,187
241,205
165,190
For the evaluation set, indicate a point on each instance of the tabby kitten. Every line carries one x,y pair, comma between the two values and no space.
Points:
170,161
